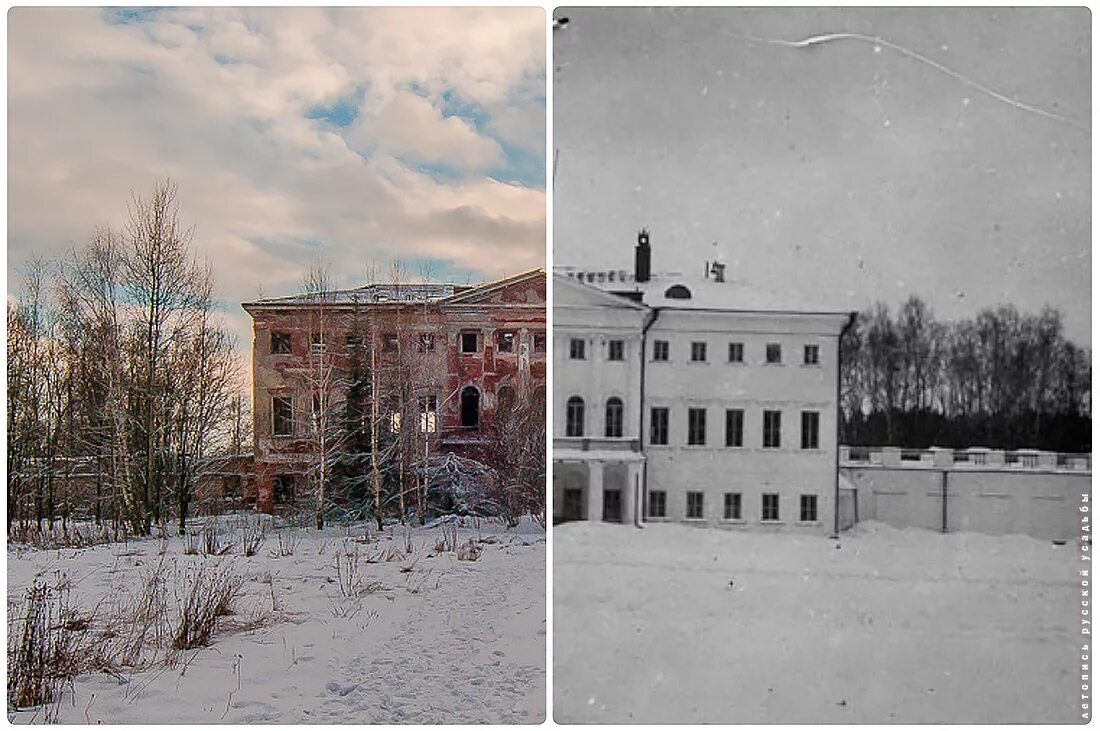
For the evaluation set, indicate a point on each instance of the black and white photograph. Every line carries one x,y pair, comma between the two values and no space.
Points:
276,365
821,383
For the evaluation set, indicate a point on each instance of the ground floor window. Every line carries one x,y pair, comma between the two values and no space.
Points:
284,490
573,504
769,506
695,505
733,506
657,504
808,508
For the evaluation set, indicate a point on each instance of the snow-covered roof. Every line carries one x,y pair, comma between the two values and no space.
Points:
431,292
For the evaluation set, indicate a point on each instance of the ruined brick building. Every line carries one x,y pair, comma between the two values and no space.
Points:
426,364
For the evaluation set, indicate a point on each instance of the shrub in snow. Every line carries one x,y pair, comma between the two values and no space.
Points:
208,594
43,650
469,551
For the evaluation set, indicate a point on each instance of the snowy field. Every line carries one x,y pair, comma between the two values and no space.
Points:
674,624
329,627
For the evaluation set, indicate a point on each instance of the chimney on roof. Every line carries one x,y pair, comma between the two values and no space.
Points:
641,257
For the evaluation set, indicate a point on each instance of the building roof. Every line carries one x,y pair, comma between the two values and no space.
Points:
388,293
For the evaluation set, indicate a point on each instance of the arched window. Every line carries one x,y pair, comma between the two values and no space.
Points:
574,417
678,292
614,417
506,399
471,407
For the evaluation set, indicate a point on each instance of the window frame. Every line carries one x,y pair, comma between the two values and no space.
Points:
576,349
288,418
807,500
778,352
811,427
809,348
613,417
658,427
736,349
770,430
662,501
462,340
281,337
765,507
697,426
737,503
698,351
616,350
509,337
735,427
660,351
700,497
573,426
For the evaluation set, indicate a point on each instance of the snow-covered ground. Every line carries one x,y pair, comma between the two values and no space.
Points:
674,624
433,639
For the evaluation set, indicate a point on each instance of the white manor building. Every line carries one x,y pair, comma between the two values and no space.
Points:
696,400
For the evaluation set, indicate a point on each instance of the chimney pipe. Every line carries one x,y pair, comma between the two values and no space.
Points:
641,257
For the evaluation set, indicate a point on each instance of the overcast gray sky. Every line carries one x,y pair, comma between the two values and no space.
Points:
849,166
359,134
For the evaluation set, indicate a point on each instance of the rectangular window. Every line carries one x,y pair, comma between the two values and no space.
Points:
811,355
615,350
769,506
807,508
660,350
810,423
698,352
468,342
695,505
773,353
282,416
390,343
658,425
425,405
540,342
576,349
395,421
284,490
657,504
280,343
317,344
733,506
506,342
772,428
351,342
697,426
735,428
737,352
426,343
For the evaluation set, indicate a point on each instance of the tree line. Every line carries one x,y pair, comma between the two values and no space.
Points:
120,372
1002,379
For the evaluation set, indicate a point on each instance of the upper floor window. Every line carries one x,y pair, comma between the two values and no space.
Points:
280,343
613,426
574,417
660,350
658,425
769,506
390,343
811,355
773,353
539,339
282,416
698,352
317,344
468,341
735,427
506,342
810,423
694,505
737,352
615,350
697,426
351,342
426,343
426,406
576,349
772,428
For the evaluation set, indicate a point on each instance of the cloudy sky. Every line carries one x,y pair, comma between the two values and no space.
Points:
847,168
363,135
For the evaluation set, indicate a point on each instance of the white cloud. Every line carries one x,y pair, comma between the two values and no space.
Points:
219,99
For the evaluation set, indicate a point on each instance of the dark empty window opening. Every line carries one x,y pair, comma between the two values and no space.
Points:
351,342
282,416
774,353
280,343
506,342
390,343
678,292
615,350
469,342
574,417
735,427
471,407
427,342
540,342
284,490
